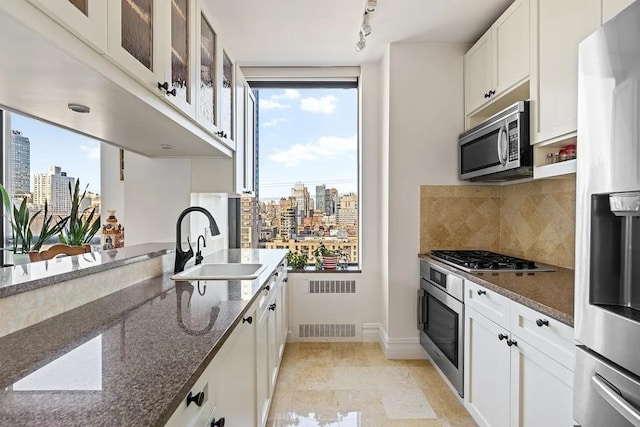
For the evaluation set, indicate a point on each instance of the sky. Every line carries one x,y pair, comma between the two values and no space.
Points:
308,136
76,154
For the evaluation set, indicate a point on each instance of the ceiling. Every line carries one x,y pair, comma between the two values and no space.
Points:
321,33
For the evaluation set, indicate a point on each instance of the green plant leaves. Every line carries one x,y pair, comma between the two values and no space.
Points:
80,226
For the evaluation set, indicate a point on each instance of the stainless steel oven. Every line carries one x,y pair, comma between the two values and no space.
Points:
441,320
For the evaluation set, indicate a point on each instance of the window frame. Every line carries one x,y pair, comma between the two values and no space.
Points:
313,78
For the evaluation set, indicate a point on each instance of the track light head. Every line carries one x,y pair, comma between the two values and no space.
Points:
362,43
366,26
371,5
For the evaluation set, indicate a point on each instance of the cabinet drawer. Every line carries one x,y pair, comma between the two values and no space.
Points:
487,302
548,335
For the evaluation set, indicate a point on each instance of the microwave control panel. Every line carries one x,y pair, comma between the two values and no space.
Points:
514,146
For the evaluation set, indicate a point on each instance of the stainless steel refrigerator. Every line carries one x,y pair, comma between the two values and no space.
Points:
607,305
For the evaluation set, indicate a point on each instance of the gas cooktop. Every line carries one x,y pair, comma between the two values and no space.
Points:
485,262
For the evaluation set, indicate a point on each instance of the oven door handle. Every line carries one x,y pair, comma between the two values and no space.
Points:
421,307
619,403
502,151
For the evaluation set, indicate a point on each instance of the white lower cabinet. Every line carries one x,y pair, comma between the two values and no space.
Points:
541,388
238,383
519,375
487,376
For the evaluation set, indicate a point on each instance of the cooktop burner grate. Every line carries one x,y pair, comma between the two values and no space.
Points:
473,260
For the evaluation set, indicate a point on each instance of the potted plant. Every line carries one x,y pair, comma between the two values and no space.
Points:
328,257
80,225
24,241
297,261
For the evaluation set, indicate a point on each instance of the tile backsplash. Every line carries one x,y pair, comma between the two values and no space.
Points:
534,220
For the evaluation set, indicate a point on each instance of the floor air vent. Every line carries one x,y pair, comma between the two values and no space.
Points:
332,286
328,331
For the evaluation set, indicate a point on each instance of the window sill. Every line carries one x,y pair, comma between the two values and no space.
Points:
312,269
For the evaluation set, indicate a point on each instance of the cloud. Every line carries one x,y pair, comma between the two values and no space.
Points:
92,153
268,104
288,94
324,105
274,122
326,147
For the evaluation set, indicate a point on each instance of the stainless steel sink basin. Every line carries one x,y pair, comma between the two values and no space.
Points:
220,272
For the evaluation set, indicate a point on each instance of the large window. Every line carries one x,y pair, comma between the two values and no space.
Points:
308,167
40,161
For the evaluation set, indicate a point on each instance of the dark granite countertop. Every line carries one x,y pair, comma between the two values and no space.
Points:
34,275
128,358
550,293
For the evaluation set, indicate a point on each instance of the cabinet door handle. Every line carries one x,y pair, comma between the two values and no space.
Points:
275,274
197,398
482,292
219,423
502,337
285,280
163,86
512,342
486,95
267,288
492,92
172,92
247,319
542,322
272,307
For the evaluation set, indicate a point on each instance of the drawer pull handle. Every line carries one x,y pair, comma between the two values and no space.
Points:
272,307
502,337
481,292
510,343
219,423
247,319
197,398
542,322
267,288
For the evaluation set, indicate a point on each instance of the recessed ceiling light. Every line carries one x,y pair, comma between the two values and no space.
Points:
78,108
166,146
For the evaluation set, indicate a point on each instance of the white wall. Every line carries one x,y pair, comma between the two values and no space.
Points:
426,114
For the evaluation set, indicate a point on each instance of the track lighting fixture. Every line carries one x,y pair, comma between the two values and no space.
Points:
361,43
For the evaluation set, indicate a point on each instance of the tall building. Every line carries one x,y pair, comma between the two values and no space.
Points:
288,224
53,187
20,165
320,197
348,209
333,201
303,201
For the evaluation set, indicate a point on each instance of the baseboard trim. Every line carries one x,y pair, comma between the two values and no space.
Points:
393,348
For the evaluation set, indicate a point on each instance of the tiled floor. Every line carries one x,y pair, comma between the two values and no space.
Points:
354,385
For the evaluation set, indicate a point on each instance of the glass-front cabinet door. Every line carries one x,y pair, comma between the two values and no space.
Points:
207,87
227,99
87,19
136,36
180,51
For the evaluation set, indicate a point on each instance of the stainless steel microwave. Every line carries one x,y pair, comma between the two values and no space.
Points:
498,149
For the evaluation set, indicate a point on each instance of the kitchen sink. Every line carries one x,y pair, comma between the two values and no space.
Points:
233,271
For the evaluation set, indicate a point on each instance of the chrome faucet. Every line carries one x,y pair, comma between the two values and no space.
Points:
183,256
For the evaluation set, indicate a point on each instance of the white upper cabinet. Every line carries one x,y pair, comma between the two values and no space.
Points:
611,8
227,98
209,64
499,61
477,73
510,47
180,51
87,19
137,37
561,25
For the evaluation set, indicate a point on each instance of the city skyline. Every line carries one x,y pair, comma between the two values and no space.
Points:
50,145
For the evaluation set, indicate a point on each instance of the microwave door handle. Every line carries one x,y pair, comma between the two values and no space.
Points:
502,156
619,403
